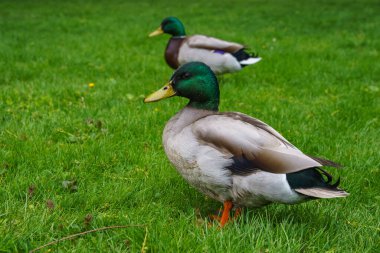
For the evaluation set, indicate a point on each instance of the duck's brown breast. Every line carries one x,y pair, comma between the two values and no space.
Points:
171,52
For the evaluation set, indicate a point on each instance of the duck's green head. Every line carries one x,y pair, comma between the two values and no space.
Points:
195,81
170,25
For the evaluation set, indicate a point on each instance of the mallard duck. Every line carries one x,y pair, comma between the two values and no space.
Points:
232,157
222,56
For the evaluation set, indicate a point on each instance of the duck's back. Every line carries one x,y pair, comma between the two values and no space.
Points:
211,51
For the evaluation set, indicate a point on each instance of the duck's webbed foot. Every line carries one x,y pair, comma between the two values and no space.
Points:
225,217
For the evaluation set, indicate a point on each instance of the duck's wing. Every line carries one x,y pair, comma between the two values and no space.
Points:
210,43
244,138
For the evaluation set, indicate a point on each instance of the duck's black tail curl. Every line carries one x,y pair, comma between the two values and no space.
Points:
245,58
315,183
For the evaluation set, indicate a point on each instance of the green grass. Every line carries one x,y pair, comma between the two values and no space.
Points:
318,84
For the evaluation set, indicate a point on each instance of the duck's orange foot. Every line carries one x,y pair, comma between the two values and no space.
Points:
225,217
215,216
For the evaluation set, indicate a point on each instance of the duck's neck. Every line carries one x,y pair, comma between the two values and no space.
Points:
179,33
210,105
179,37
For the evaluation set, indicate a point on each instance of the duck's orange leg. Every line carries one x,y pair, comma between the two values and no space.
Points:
227,206
237,212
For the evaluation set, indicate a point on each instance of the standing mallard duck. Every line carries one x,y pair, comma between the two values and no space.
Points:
232,157
222,56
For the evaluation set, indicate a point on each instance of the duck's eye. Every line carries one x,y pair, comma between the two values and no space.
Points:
185,75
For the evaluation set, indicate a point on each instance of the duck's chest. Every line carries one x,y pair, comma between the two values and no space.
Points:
180,144
172,50
181,149
188,158
198,164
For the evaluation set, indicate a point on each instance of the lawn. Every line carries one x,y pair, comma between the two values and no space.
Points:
75,158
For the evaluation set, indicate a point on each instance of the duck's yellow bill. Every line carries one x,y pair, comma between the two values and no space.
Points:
165,92
158,31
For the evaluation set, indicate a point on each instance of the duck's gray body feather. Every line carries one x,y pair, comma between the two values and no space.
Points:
216,53
189,143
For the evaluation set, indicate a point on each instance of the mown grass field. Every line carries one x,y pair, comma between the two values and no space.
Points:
75,158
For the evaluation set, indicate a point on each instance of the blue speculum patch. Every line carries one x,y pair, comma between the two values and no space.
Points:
219,51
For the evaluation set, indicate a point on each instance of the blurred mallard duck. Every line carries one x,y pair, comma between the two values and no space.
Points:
221,56
232,157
